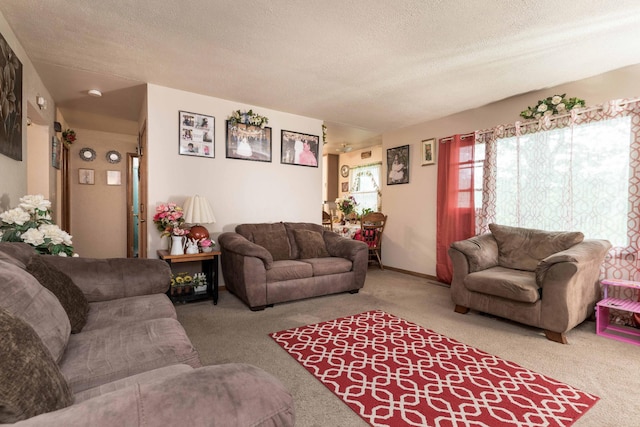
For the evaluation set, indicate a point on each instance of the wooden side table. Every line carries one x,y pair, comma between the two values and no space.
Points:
209,262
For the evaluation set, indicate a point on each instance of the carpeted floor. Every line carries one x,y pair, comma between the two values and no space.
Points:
230,332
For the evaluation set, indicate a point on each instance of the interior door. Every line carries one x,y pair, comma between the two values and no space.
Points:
133,206
142,192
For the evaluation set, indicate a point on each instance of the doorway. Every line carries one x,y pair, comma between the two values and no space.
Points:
133,205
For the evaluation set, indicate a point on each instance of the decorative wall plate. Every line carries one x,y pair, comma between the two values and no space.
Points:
87,154
113,156
344,171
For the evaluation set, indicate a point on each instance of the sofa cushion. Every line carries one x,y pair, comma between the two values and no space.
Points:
330,265
289,270
17,253
310,244
105,314
524,248
275,241
70,296
30,381
516,285
25,298
291,226
96,357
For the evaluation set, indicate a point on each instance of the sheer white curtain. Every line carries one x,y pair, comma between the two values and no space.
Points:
365,186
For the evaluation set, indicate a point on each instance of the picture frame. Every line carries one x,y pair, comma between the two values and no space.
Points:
300,149
428,152
345,187
86,177
11,131
398,165
114,178
196,135
56,151
248,142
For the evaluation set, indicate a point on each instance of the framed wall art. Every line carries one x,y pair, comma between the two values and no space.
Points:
11,93
197,134
56,151
114,178
299,149
398,165
429,152
248,142
86,176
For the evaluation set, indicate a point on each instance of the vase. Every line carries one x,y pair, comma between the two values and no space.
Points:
177,245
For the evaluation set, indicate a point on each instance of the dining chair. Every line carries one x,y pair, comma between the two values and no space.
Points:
371,229
327,222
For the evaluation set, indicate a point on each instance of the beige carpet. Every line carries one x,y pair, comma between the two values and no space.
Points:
230,332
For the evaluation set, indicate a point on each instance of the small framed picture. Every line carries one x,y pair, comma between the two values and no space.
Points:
86,176
299,149
429,152
345,187
398,165
197,135
56,151
248,142
114,178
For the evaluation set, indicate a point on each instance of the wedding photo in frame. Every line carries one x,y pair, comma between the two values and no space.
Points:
429,152
398,165
197,135
299,149
248,142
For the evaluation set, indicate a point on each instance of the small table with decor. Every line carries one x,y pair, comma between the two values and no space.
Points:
209,262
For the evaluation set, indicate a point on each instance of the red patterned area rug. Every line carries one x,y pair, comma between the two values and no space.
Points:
395,373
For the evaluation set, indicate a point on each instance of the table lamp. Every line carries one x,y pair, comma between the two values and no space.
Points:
197,210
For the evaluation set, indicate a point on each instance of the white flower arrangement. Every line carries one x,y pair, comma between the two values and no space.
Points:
31,223
552,105
248,118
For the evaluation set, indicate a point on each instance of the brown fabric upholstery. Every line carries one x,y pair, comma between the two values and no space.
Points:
30,381
25,298
289,270
290,226
310,244
330,265
276,242
523,248
516,285
70,296
122,311
481,251
18,254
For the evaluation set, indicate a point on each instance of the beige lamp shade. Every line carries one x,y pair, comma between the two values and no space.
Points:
197,210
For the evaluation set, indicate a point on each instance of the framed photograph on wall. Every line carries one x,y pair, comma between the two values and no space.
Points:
86,176
197,134
56,151
114,178
12,110
429,152
345,187
248,142
299,149
398,165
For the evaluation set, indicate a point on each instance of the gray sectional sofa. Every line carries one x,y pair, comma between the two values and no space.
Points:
107,349
266,264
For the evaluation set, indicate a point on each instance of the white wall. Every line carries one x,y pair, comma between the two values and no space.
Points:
239,191
410,235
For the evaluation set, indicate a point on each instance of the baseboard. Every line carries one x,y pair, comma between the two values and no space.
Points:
416,274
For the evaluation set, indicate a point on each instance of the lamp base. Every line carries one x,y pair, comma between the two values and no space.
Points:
198,232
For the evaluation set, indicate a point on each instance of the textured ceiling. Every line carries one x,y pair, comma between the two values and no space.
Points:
362,66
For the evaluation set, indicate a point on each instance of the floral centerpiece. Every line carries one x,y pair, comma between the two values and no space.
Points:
31,223
168,220
556,104
69,137
346,205
248,118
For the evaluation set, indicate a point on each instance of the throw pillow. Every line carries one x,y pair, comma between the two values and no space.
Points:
30,381
71,298
310,243
276,242
524,248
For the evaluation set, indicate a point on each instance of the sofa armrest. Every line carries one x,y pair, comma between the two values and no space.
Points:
222,395
343,247
481,251
584,254
114,278
236,243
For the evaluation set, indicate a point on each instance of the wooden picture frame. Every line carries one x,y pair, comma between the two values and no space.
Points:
196,136
248,142
300,149
428,152
86,176
11,131
398,165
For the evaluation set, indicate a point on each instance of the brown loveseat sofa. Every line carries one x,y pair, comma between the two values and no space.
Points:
543,279
265,264
127,360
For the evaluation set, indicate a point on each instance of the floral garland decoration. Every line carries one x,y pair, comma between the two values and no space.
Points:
552,105
248,118
31,223
69,137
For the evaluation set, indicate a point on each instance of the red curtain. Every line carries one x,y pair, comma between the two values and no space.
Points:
455,206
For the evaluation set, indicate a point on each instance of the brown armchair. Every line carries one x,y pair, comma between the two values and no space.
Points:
542,279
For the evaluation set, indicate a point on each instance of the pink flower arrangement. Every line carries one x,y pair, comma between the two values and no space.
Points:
168,219
205,243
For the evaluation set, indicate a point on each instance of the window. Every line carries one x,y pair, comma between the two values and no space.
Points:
365,186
